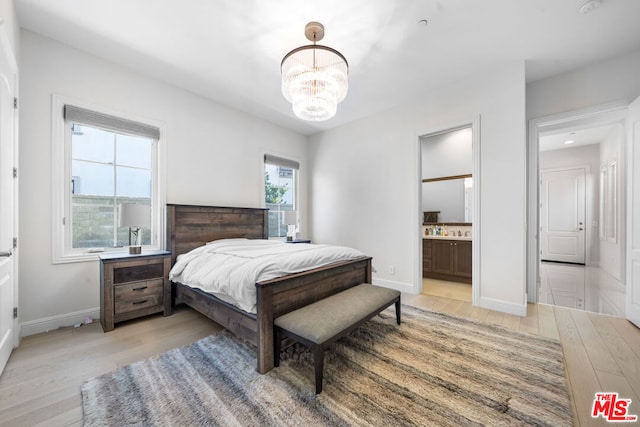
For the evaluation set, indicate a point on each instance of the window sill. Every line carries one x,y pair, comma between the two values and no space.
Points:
94,255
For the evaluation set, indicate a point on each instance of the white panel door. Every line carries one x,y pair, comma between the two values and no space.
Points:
633,214
562,215
7,200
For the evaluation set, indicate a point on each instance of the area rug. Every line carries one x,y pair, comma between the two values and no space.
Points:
434,369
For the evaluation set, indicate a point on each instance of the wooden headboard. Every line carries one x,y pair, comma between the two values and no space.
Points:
189,227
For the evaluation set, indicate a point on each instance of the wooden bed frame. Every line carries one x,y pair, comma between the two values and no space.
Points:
191,226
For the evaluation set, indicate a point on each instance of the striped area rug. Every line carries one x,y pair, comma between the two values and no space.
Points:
434,369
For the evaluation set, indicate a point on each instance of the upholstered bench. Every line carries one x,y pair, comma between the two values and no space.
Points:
319,324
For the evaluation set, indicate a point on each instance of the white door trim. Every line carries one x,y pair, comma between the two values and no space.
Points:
632,256
610,112
10,74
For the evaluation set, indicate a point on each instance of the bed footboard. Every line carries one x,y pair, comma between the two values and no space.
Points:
283,295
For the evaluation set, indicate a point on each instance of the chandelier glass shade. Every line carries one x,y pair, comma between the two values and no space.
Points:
314,77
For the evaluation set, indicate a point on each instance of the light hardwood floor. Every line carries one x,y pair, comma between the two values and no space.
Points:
446,289
41,383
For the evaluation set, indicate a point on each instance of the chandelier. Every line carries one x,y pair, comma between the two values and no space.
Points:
314,77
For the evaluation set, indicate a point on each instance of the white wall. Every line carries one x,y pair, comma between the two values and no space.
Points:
613,250
588,155
9,21
446,154
607,81
214,157
365,184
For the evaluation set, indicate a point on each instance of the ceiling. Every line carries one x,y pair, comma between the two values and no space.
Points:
230,50
588,136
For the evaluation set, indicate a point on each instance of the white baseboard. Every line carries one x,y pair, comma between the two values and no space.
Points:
47,324
504,307
398,286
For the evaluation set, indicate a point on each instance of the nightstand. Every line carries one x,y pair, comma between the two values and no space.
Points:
132,286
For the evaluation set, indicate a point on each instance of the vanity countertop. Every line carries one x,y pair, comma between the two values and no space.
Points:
433,237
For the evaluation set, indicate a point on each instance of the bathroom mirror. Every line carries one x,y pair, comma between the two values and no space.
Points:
451,196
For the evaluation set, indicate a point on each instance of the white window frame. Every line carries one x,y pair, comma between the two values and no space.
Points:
61,185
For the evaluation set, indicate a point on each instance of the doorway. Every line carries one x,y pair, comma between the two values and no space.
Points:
449,212
576,201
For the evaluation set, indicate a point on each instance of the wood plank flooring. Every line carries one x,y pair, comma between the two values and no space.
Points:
41,383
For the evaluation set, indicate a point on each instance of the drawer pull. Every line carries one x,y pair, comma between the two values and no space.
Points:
140,302
141,288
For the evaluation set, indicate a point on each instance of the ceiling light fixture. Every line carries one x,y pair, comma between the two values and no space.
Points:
588,6
314,77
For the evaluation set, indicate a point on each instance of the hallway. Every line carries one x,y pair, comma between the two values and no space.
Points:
581,287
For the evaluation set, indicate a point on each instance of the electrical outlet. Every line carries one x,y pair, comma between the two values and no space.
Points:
392,269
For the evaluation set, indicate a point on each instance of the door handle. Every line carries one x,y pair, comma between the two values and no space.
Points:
6,254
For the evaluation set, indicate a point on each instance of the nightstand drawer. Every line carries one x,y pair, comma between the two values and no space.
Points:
138,272
140,303
137,290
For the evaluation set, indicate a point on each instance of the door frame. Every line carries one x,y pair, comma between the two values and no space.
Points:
474,124
603,113
10,59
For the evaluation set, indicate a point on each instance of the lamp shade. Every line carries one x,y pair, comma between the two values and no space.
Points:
289,217
135,215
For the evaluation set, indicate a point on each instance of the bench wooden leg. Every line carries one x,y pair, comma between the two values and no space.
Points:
318,360
397,311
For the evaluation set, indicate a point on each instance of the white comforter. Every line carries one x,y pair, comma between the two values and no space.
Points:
230,268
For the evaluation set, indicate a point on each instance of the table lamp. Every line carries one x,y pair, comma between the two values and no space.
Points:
135,217
290,219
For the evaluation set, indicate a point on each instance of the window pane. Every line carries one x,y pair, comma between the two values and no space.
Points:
133,151
91,144
98,185
92,224
133,182
90,178
279,196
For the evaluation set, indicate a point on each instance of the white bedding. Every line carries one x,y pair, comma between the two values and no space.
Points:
230,268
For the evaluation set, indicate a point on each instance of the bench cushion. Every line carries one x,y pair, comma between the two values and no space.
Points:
324,319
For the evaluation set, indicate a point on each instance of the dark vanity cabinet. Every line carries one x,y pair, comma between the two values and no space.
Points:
447,259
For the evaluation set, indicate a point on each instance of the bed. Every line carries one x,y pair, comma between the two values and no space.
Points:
189,227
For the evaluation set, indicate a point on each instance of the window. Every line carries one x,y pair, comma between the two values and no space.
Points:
106,161
281,193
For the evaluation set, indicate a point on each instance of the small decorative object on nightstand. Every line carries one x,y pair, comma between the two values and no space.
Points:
132,286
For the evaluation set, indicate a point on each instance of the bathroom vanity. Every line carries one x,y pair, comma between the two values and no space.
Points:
447,258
